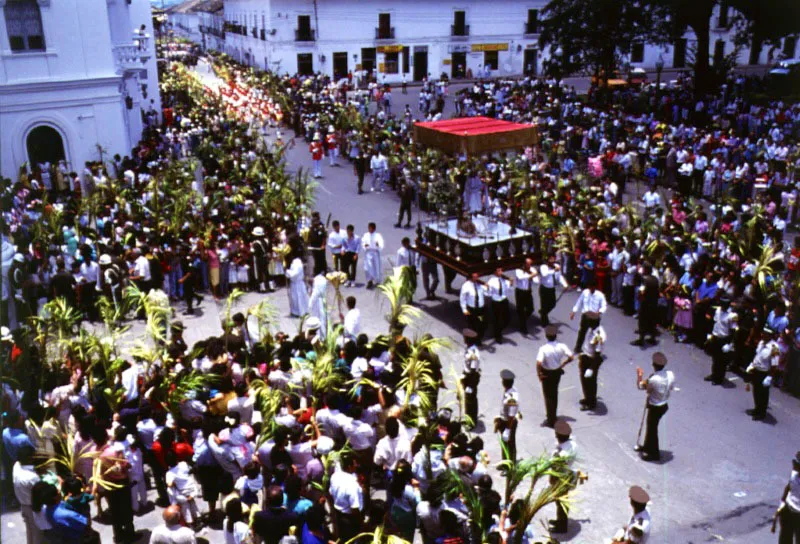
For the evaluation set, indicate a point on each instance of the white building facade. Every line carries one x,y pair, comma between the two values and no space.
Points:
75,77
421,37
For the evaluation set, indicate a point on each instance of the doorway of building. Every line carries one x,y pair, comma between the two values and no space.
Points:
459,67
44,144
529,61
305,64
339,65
368,60
420,65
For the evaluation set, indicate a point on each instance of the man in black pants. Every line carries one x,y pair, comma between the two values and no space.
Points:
549,274
191,273
658,386
592,305
317,238
591,358
406,199
473,304
550,363
351,246
523,297
498,288
360,168
648,308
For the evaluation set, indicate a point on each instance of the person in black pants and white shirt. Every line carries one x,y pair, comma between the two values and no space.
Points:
522,294
473,304
658,386
550,363
590,302
498,287
549,274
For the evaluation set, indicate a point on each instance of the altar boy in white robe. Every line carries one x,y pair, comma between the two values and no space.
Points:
318,303
298,294
372,245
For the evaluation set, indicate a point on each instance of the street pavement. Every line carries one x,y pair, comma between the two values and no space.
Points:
721,474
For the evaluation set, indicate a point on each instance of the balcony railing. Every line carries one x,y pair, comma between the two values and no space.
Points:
384,33
130,57
459,30
531,28
305,35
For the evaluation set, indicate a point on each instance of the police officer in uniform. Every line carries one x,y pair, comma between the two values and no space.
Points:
637,530
565,449
506,422
658,386
789,510
261,251
760,370
550,363
591,357
317,238
725,322
471,375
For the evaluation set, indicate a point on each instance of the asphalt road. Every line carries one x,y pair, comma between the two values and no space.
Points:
721,475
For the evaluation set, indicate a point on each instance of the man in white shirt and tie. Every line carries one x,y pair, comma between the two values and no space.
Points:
591,300
522,294
472,304
498,287
550,363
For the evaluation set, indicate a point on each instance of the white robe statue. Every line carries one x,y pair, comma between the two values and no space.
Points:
318,303
298,294
372,245
473,192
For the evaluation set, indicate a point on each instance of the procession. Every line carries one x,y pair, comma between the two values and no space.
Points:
238,332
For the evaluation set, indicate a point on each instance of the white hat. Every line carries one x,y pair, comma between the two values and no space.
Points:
5,334
316,136
313,323
278,135
258,231
19,257
105,259
330,128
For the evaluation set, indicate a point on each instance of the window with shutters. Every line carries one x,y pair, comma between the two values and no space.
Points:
24,25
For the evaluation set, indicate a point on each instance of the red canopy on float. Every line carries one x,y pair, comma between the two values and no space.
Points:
475,135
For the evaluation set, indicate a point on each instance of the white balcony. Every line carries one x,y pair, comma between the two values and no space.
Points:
130,57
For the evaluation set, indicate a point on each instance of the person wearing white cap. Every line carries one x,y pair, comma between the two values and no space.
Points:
261,252
315,148
298,294
333,146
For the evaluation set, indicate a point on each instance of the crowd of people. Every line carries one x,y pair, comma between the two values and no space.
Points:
273,431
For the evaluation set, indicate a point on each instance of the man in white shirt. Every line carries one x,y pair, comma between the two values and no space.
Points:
498,287
172,532
392,448
589,362
651,199
335,244
523,296
549,275
721,333
618,259
550,363
473,304
592,302
658,386
565,449
637,530
352,320
790,504
348,498
379,166
760,370
24,476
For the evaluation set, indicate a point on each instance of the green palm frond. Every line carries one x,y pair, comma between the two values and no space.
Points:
397,289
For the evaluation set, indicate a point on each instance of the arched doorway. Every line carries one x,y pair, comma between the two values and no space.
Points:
44,144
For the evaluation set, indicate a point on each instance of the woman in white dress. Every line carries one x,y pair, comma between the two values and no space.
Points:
318,303
298,294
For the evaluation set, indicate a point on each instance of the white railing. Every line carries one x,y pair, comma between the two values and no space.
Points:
130,57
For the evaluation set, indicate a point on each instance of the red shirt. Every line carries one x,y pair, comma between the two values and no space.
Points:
331,139
316,151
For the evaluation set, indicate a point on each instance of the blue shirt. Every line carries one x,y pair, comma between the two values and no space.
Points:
69,524
299,506
777,324
707,290
13,440
352,245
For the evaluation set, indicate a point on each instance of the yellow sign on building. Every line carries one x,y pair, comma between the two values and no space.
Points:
479,47
390,49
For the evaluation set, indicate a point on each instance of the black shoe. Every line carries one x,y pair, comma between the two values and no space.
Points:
637,447
750,412
556,527
651,457
188,312
637,343
759,417
716,382
361,192
709,378
397,225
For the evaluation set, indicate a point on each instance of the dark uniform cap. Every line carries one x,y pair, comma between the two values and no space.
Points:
506,375
551,330
469,333
592,315
563,428
638,495
659,359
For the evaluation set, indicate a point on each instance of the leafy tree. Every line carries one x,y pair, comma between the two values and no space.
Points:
593,36
766,22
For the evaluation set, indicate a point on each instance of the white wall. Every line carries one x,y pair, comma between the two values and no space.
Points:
76,85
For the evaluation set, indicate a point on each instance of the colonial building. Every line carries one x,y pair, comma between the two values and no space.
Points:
393,38
201,21
76,76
